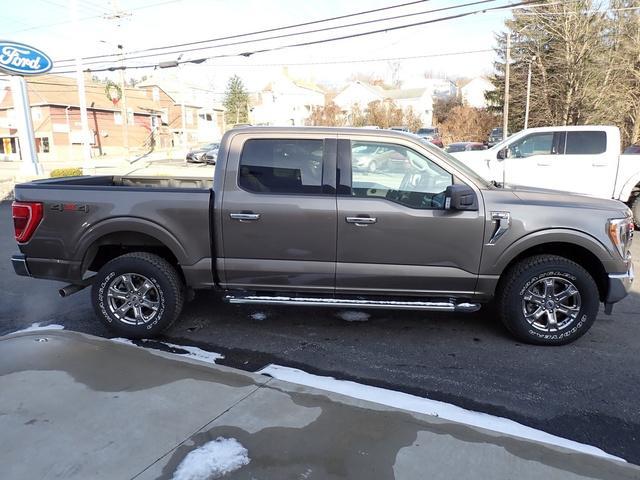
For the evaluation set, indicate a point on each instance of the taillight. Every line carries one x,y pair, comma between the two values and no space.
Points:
26,218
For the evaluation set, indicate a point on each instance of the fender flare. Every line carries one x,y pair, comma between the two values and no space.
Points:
130,224
627,188
547,236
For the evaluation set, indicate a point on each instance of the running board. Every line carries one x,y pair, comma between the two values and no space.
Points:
443,306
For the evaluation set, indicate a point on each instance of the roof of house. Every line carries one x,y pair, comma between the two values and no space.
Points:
60,90
394,93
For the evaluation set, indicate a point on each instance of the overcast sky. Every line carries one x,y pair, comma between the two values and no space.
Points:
45,24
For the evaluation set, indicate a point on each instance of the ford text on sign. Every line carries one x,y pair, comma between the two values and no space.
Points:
20,59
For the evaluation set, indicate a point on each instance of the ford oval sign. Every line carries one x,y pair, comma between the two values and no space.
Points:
21,59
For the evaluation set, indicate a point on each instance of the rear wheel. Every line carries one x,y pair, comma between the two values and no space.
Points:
548,300
138,295
373,166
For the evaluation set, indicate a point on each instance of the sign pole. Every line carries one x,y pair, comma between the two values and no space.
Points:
30,165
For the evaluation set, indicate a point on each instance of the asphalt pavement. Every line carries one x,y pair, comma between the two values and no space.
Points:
587,391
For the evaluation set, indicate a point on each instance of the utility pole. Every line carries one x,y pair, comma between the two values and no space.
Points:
124,111
505,108
526,110
118,15
84,118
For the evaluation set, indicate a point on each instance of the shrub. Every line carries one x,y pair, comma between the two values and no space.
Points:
66,172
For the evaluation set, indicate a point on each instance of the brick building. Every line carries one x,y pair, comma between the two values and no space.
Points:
56,119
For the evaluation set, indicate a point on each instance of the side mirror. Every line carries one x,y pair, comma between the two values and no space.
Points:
460,197
504,153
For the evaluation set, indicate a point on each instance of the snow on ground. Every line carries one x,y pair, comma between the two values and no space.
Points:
212,460
353,316
192,352
35,327
195,352
426,406
259,316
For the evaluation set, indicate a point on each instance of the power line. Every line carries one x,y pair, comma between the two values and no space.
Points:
269,30
315,42
287,35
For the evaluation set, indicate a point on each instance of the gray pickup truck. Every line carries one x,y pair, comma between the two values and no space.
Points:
291,218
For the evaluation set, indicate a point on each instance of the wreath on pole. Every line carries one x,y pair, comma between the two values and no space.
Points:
113,92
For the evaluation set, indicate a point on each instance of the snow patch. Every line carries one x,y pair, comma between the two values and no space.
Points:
354,316
35,327
259,316
192,352
212,460
195,352
426,406
126,341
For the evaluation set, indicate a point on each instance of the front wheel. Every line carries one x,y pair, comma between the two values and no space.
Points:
548,300
137,295
635,208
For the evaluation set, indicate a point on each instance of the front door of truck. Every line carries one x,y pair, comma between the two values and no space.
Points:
533,161
394,234
279,213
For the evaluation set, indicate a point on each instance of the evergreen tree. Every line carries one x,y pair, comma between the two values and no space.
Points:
236,101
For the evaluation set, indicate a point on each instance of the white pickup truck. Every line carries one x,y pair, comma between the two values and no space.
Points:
581,159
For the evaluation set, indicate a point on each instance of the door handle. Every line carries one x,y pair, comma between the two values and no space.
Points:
599,164
361,221
542,163
245,217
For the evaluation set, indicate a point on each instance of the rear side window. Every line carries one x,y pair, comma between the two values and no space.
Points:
586,143
282,166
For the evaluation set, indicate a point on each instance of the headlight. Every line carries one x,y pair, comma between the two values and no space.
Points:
620,232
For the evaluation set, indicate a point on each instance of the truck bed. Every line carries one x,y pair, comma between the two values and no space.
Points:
82,213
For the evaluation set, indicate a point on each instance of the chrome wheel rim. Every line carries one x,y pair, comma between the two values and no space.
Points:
551,304
133,299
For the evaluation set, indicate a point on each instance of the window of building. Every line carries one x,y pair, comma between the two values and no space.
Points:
586,143
130,117
398,174
282,166
117,118
155,94
42,144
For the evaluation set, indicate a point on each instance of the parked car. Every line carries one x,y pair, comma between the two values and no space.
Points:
579,159
374,158
287,219
495,136
195,155
632,149
464,147
431,134
211,156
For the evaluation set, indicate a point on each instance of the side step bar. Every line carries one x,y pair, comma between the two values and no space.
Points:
441,306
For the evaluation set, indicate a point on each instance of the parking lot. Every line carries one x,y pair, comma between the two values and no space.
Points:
586,391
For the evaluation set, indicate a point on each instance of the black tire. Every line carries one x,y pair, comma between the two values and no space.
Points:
164,292
514,298
635,208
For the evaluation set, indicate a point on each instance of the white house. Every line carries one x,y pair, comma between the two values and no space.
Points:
361,94
472,93
285,101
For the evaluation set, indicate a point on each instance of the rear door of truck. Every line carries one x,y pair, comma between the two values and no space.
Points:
278,213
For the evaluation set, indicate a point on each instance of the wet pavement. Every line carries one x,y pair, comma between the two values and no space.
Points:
77,406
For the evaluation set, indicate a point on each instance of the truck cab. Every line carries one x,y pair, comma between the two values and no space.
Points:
579,159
